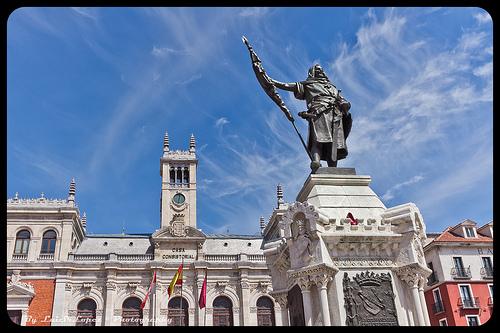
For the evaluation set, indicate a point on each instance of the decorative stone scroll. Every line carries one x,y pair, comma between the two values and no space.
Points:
369,300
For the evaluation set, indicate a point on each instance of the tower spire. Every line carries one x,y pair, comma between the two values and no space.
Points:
84,221
166,144
72,191
262,224
192,144
279,195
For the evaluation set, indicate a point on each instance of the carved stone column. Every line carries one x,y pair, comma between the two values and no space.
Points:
305,287
425,312
62,287
282,300
411,276
245,299
321,281
109,303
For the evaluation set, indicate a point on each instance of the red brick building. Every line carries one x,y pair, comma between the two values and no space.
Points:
459,292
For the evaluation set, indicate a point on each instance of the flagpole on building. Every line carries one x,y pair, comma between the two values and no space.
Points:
205,315
153,300
182,282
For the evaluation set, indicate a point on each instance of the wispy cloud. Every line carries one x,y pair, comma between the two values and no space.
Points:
407,92
458,180
162,52
254,12
86,12
389,194
193,78
482,18
45,162
219,123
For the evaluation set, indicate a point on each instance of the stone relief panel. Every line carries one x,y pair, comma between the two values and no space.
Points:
303,249
369,300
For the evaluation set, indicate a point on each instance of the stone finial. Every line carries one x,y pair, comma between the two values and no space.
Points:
42,196
84,220
192,144
279,195
16,196
72,191
262,224
166,144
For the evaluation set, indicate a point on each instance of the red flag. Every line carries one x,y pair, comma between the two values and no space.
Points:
149,291
353,220
203,293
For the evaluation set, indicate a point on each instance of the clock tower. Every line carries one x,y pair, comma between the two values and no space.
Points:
178,187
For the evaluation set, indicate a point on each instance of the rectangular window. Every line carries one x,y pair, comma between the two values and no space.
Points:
432,278
437,295
472,320
465,292
459,265
443,322
490,287
438,302
469,232
487,263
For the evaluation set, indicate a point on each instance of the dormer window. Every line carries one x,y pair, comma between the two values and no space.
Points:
470,232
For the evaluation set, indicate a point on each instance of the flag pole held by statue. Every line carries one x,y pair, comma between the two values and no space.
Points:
270,89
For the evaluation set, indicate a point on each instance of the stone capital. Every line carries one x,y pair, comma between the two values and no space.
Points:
412,274
304,283
321,279
281,299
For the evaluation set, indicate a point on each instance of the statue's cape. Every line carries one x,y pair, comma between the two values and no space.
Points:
347,124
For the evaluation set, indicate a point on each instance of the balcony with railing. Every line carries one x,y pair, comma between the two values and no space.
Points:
432,279
469,303
437,307
46,257
460,273
20,257
487,272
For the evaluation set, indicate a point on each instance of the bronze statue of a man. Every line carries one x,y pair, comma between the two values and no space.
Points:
327,113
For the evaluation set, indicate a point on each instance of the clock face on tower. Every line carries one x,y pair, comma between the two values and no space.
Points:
178,199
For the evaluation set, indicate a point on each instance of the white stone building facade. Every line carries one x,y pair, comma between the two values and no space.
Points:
300,271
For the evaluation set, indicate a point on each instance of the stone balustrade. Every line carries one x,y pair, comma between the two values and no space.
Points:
19,257
222,257
135,257
46,257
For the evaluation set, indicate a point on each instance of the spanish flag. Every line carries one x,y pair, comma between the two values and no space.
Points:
177,279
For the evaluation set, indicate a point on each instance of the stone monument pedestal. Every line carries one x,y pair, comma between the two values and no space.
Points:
350,274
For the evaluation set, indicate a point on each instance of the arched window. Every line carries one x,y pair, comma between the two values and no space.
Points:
49,242
172,175
177,314
265,312
179,175
86,313
22,242
131,312
222,312
186,175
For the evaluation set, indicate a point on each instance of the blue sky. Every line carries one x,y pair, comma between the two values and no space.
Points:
91,92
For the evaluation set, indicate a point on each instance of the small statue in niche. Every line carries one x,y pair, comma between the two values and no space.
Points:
303,242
